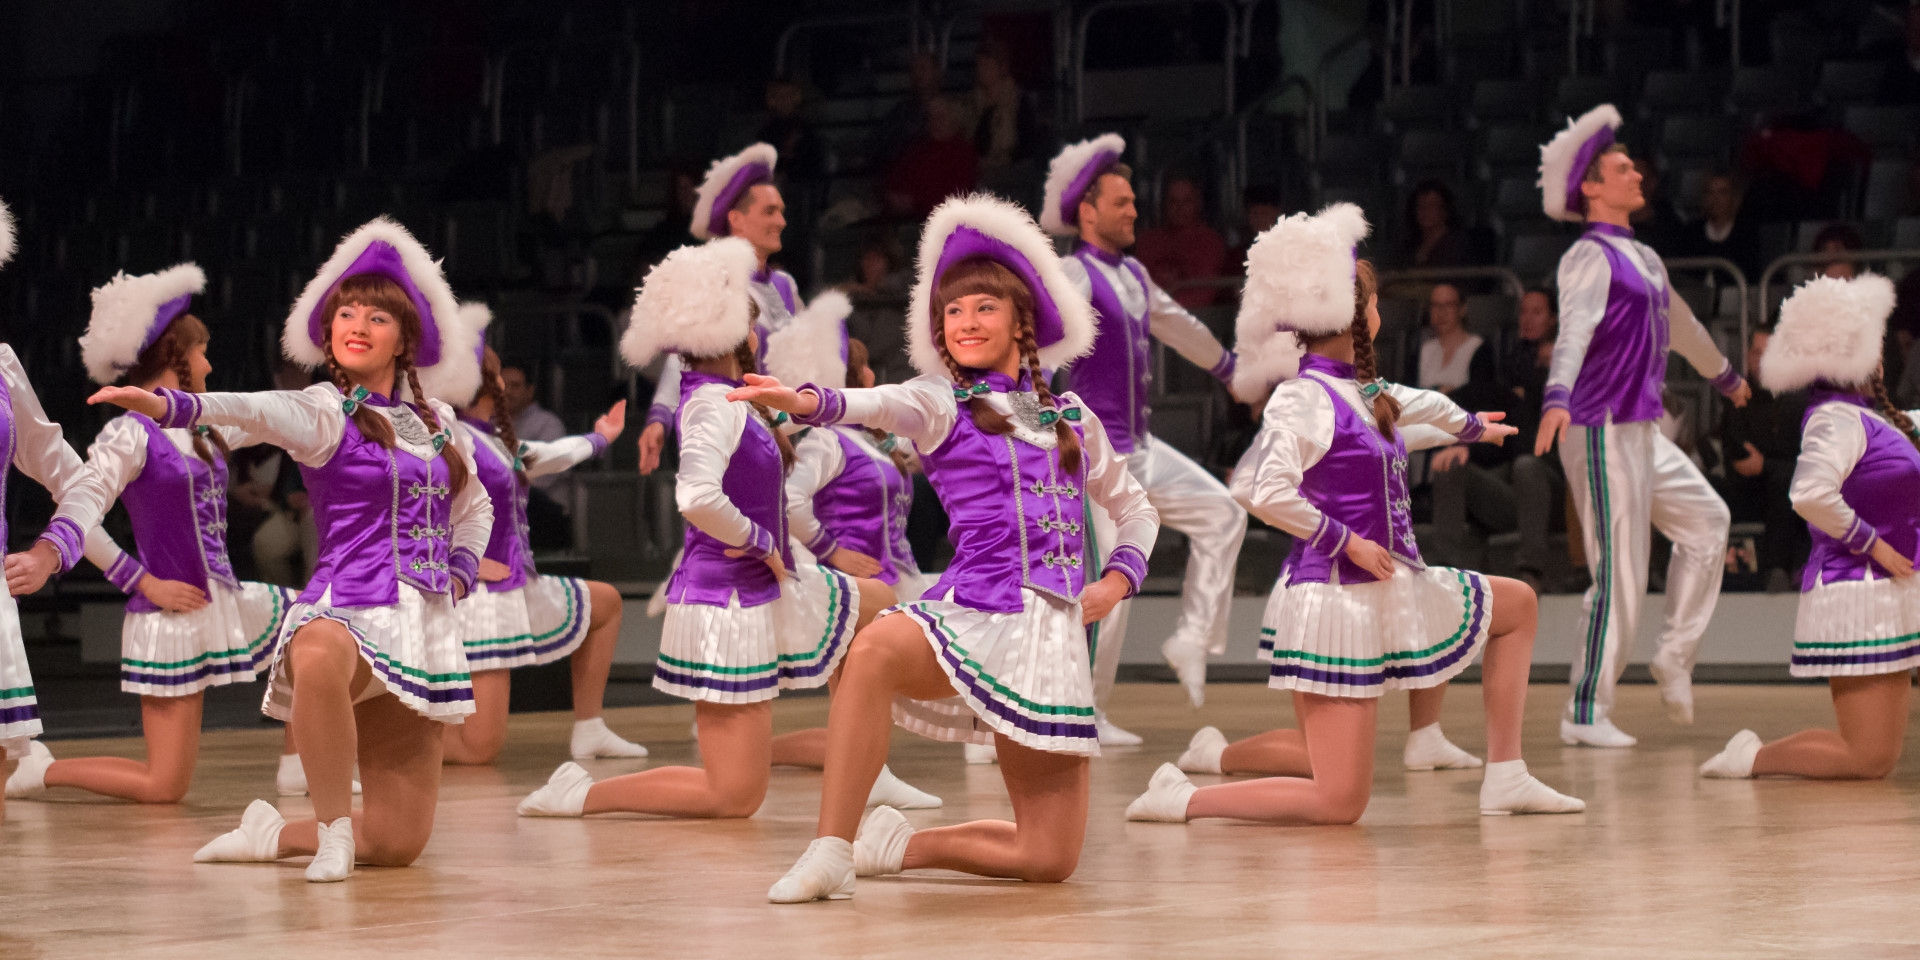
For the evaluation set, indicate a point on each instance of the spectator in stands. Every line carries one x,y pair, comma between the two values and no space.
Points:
1432,235
531,421
803,154
1259,210
1760,443
1838,237
938,165
1797,165
672,230
1722,232
1505,488
906,121
1183,247
879,293
1447,356
878,272
1002,120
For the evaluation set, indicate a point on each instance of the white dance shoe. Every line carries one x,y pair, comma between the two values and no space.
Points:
291,780
1203,751
1676,690
824,872
880,846
1429,749
30,777
1510,789
565,794
1111,735
891,791
333,861
593,739
256,840
1736,761
1602,734
1166,797
1189,663
978,753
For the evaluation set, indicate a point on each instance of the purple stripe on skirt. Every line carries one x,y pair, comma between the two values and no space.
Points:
671,675
18,714
1042,728
1846,659
815,668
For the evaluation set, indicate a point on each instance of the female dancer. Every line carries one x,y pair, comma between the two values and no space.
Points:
190,624
743,622
521,618
996,650
1858,484
847,501
371,657
1356,611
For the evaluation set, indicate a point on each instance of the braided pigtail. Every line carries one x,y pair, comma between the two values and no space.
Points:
1896,416
860,363
1062,431
743,355
985,417
502,421
456,464
371,425
1386,410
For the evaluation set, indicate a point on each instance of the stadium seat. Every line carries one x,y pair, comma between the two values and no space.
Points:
1512,151
1578,94
1504,101
1433,154
1702,137
1884,126
1906,235
1676,91
1851,81
1885,195
1765,91
1535,257
1419,106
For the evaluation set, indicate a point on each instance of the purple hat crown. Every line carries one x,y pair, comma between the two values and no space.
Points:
726,181
130,312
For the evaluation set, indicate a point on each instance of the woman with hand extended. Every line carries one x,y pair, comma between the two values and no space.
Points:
191,624
743,622
371,659
521,618
1858,484
1356,611
996,650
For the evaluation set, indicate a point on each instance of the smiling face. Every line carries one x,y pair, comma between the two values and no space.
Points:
1614,183
758,217
984,308
368,326
1107,212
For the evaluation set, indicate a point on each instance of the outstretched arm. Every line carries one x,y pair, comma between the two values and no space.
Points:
1690,339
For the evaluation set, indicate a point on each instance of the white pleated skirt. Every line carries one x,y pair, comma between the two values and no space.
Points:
1418,629
227,641
413,647
1025,675
736,654
1857,628
19,708
537,623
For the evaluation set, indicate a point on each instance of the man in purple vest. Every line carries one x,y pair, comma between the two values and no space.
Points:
1088,195
1618,319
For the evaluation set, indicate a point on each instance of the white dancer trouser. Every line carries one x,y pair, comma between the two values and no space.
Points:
1627,478
1193,502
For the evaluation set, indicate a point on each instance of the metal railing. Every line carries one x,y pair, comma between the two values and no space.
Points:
910,16
1508,279
1709,266
1079,51
1892,255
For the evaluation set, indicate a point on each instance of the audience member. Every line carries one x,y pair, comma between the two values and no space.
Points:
547,521
1722,232
1838,237
1797,166
1447,356
933,168
1002,121
803,154
1760,444
1183,246
1432,234
1903,337
879,292
879,270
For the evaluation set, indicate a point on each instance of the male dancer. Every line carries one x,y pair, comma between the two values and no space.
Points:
737,199
1088,195
1618,319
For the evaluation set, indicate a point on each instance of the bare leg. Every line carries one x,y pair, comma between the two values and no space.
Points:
327,671
808,748
594,659
1423,705
1873,727
479,738
287,749
1049,794
1339,734
735,740
1276,753
399,755
171,726
1506,665
891,656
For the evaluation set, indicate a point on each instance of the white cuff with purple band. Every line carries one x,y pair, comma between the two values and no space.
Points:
661,414
1473,431
1223,371
759,543
1558,397
464,566
183,408
1728,381
833,406
1131,564
598,442
822,545
67,539
1330,537
126,573
1860,537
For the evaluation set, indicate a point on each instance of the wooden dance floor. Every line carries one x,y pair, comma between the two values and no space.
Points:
1662,864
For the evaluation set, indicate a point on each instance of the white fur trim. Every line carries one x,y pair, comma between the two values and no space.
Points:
1062,172
7,235
721,174
458,372
1011,225
124,310
807,349
1557,156
472,318
1300,278
694,302
1829,329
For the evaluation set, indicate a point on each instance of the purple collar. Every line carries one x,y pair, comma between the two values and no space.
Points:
1326,365
1824,392
699,378
374,398
1001,383
1610,230
485,427
764,274
1110,259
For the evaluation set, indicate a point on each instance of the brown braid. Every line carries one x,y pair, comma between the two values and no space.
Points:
1896,416
858,361
380,293
496,395
1386,410
1069,441
742,355
173,351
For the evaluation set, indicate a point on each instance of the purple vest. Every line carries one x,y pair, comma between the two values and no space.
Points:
865,508
1361,482
1883,489
1626,361
384,517
1016,519
178,505
754,482
1115,378
508,544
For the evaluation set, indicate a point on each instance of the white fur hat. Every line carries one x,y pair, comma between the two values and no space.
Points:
7,245
1069,176
726,180
1300,279
1830,329
130,312
1565,158
473,316
985,226
444,356
693,302
812,347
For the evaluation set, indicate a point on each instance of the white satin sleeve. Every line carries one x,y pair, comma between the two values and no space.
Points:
1686,335
1583,280
1112,487
666,394
308,424
116,458
817,459
471,512
922,410
1296,430
1435,409
40,451
545,457
1177,327
1831,445
710,430
1424,436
